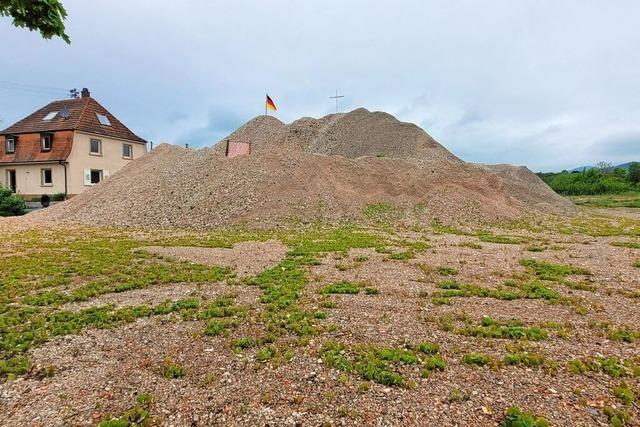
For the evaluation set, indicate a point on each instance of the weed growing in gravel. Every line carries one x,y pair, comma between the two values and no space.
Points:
22,328
597,226
432,363
402,256
515,417
381,213
444,229
624,333
611,366
478,359
342,287
327,303
378,364
623,392
513,290
512,329
447,271
616,418
580,286
457,395
427,347
520,355
172,370
553,272
631,245
137,417
636,264
371,291
472,245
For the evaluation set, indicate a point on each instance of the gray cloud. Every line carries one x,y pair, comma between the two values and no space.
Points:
538,83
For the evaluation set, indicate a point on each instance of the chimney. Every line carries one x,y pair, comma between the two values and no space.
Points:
85,93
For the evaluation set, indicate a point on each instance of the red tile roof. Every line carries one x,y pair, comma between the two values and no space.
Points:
82,117
27,148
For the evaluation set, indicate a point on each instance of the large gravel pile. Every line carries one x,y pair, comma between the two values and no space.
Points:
313,169
527,187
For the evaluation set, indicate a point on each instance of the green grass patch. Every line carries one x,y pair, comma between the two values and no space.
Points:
513,290
447,271
521,355
477,359
138,416
631,245
623,392
515,417
624,200
172,370
551,272
381,364
342,287
512,329
611,366
617,418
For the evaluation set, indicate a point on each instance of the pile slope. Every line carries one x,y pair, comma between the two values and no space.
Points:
312,169
532,191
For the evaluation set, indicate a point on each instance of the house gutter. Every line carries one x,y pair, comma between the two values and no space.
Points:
64,165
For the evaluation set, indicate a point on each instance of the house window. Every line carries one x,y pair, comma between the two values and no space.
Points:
45,142
96,176
104,120
11,180
46,177
10,145
127,151
96,147
50,116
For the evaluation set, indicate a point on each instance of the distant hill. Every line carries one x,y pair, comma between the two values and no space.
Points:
624,166
581,168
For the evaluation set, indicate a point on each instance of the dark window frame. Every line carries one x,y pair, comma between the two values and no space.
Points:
100,176
130,156
43,182
13,140
95,153
43,138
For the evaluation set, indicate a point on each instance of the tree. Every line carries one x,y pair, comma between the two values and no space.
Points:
634,173
46,16
604,167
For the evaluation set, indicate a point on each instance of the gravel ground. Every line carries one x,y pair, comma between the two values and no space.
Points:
101,371
246,258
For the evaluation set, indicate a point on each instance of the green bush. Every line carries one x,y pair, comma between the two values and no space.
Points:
58,197
11,204
589,182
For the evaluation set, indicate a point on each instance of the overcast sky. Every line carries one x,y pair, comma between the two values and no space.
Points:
547,84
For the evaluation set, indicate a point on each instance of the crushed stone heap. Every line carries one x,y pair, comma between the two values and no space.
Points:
325,169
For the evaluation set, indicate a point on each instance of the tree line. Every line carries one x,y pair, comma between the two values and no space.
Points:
603,179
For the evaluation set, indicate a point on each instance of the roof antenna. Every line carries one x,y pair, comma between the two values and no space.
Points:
74,94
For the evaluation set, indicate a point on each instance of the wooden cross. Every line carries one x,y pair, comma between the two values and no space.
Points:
336,98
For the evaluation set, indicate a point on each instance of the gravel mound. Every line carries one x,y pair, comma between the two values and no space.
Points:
527,187
330,168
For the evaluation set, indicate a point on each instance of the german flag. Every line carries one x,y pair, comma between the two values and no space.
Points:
271,106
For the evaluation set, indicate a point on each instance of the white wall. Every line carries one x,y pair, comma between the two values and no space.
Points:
110,160
28,178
